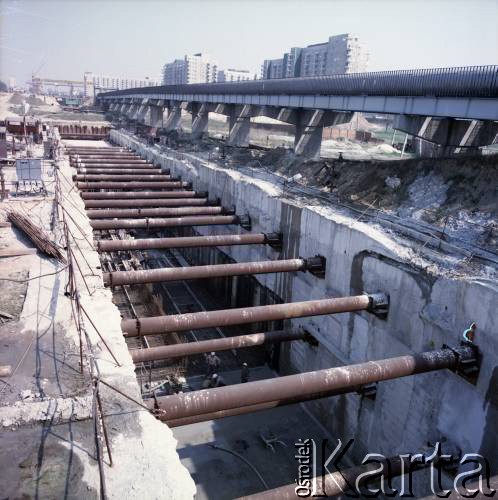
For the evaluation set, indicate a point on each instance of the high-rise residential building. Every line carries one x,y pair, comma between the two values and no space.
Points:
196,68
104,82
340,54
234,75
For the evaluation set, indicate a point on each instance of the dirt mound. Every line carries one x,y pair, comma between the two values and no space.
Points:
35,101
16,99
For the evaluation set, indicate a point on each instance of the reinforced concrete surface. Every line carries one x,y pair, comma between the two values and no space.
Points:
47,429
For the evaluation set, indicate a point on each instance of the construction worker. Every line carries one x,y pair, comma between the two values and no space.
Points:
216,381
244,373
213,363
469,334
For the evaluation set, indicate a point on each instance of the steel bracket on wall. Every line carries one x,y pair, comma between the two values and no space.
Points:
316,265
379,304
245,222
467,368
274,240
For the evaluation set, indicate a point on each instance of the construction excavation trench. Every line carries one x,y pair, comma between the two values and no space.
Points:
230,311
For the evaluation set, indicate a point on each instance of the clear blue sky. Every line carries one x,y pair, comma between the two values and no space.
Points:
135,38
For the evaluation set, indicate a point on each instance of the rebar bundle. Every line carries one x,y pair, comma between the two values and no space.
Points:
37,235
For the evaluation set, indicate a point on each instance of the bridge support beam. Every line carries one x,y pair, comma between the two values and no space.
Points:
200,118
239,123
174,116
435,137
156,113
132,111
124,109
142,111
309,129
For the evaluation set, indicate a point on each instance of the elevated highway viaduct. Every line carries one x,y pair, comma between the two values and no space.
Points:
453,108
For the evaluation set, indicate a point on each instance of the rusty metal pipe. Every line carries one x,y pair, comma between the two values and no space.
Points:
181,242
204,417
200,220
119,171
344,378
222,344
111,160
119,157
166,202
340,482
243,315
143,169
128,186
200,272
122,178
141,195
142,166
154,212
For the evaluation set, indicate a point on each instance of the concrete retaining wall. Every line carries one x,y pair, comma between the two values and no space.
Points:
429,306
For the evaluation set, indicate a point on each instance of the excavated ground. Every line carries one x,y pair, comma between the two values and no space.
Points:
457,195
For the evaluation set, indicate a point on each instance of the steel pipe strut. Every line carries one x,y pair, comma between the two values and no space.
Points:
182,242
122,178
344,378
84,160
131,185
114,156
340,482
199,272
141,195
154,212
222,344
165,202
178,422
243,315
119,171
144,169
200,220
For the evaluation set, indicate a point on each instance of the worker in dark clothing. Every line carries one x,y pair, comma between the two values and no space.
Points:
216,381
213,364
244,373
469,334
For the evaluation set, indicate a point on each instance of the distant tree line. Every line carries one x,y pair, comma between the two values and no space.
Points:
3,86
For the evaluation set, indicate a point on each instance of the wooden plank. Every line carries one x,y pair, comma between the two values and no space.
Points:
5,224
14,252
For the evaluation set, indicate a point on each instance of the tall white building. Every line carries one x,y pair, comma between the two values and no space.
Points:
234,75
104,82
196,68
340,54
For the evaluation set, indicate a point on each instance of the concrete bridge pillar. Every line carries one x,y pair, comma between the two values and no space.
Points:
446,136
174,116
309,130
239,122
142,111
156,116
200,118
132,110
123,108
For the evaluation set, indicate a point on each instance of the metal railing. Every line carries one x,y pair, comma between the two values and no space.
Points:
465,81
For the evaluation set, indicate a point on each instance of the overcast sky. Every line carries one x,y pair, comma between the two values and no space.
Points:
132,38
